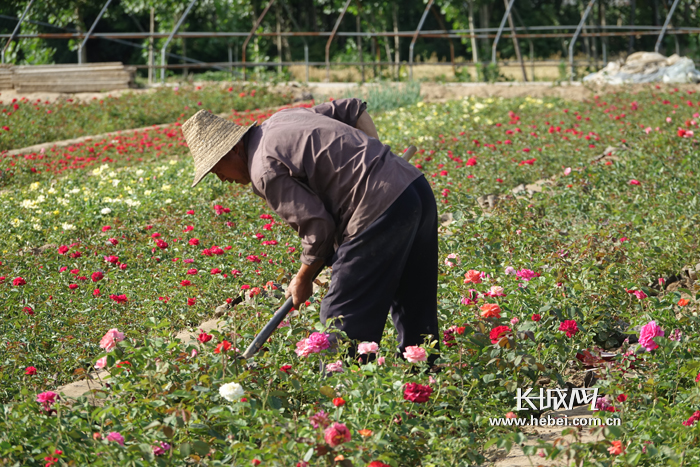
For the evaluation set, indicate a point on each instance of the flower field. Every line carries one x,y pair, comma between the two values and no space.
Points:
26,122
106,252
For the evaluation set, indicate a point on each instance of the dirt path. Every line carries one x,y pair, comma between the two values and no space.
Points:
517,458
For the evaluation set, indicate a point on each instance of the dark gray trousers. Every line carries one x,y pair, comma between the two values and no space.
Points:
390,266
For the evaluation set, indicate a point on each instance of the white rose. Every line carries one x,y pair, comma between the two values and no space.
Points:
232,392
105,211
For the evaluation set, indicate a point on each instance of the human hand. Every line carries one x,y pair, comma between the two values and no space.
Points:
300,289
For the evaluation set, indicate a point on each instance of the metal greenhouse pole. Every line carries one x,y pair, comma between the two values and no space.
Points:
415,37
14,33
170,37
250,35
573,39
500,31
306,45
92,28
330,39
663,30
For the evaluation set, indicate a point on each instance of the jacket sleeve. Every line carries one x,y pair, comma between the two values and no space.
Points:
344,110
304,211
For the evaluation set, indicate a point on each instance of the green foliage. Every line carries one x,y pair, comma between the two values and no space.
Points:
384,96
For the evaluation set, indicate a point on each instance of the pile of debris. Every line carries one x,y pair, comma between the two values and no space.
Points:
647,67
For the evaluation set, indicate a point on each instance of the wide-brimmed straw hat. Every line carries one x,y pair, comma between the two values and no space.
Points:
210,138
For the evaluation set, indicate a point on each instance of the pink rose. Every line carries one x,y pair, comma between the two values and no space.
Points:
526,274
647,334
367,347
318,341
101,363
639,294
109,340
312,344
336,434
116,437
380,361
47,398
415,354
495,291
472,277
336,367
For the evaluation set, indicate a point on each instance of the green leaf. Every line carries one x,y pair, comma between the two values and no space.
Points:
309,453
201,448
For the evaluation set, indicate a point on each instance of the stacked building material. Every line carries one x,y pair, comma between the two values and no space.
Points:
5,76
91,77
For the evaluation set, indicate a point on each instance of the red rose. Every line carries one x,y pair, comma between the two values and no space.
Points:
339,402
30,370
536,317
97,276
285,368
224,346
569,327
203,337
18,281
498,333
191,301
415,392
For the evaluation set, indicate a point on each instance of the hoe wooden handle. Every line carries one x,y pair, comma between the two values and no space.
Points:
409,153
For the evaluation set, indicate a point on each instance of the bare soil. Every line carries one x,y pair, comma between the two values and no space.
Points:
430,91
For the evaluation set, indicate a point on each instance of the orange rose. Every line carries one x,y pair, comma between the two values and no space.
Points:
490,310
617,448
365,432
472,276
683,302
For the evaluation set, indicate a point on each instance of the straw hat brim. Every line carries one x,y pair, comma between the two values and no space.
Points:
210,138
